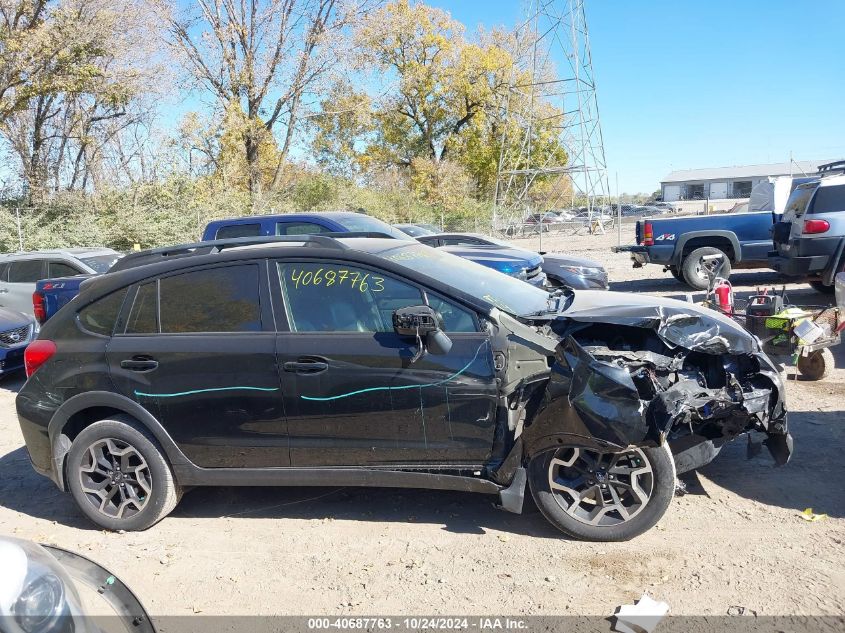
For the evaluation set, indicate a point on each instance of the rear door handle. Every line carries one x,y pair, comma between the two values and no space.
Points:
306,366
139,364
3,291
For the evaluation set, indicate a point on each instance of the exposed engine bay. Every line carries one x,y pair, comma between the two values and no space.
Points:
642,375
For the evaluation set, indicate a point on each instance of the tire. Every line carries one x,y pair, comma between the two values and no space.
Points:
816,365
568,464
676,273
149,492
691,267
818,286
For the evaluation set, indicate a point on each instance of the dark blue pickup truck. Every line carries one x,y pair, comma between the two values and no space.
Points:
680,243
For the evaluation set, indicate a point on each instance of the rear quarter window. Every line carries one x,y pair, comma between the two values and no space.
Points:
829,200
99,317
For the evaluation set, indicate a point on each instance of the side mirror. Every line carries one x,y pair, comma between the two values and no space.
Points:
425,323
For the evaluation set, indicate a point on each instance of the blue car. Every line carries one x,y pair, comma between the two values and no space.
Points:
16,332
522,265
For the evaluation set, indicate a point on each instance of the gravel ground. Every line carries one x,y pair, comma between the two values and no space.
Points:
736,540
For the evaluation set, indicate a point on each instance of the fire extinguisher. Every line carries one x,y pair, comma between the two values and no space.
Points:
724,295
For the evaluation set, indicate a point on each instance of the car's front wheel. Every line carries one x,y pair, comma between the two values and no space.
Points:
602,496
119,477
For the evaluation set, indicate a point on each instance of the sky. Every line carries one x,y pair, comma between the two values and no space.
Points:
709,83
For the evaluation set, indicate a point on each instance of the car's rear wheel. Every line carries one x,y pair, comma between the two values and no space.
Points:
693,271
119,477
603,496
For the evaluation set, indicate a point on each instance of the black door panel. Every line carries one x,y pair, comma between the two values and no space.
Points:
373,406
218,395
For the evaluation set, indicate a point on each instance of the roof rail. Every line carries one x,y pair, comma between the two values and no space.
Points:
837,165
154,255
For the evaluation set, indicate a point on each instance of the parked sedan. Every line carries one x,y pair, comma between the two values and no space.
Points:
561,270
16,331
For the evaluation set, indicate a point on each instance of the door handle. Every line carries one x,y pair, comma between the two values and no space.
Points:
139,363
306,366
3,291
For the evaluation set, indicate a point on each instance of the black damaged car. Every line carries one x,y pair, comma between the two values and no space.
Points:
313,360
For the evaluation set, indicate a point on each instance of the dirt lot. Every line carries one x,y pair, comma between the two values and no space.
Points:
737,541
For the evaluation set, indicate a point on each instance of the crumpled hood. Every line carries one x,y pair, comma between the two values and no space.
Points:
506,260
679,323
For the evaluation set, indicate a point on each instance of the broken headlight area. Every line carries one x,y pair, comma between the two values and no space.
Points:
627,386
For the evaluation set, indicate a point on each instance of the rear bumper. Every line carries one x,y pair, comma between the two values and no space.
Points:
639,254
798,266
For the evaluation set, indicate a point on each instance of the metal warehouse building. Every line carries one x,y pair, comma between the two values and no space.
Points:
727,183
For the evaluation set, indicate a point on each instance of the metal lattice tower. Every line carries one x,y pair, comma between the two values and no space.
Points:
552,93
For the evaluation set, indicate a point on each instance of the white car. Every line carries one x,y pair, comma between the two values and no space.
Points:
20,271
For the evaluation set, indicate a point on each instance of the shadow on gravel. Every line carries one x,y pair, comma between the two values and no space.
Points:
27,492
812,479
460,513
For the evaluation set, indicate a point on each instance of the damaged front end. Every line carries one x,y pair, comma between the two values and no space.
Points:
646,372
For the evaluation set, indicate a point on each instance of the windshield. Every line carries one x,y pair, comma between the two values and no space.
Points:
101,263
367,224
485,284
414,231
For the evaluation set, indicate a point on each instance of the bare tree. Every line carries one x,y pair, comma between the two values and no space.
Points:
268,56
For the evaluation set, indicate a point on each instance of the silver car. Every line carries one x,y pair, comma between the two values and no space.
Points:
20,271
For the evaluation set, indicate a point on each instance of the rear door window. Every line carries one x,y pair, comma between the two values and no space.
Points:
797,203
26,271
4,272
829,200
221,299
61,269
238,230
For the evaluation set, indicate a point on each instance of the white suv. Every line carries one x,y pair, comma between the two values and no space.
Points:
20,271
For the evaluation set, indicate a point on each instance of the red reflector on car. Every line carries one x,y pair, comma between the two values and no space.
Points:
38,353
38,308
816,226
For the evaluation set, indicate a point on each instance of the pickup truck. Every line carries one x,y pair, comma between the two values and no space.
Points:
679,243
51,294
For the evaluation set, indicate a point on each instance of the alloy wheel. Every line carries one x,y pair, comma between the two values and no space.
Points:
115,478
601,489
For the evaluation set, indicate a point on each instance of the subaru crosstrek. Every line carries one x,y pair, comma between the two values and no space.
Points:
314,360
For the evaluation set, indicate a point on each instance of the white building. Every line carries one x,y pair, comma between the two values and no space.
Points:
724,183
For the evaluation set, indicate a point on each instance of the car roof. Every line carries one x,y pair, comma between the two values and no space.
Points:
362,250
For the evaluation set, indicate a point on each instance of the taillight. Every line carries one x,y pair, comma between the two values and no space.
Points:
816,226
38,308
648,235
36,354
